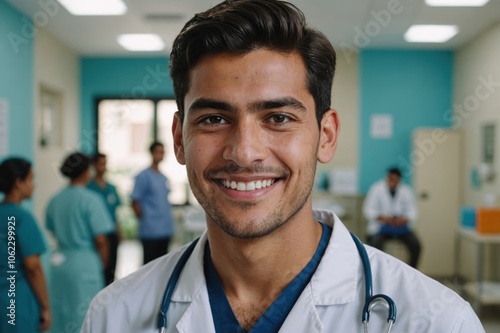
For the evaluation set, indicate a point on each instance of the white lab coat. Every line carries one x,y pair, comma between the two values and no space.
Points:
331,302
379,201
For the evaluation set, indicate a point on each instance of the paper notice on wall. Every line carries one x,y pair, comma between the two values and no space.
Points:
381,126
344,181
4,127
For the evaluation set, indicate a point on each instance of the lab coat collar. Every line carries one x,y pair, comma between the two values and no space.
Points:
334,282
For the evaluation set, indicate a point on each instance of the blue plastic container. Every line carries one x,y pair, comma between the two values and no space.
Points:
468,217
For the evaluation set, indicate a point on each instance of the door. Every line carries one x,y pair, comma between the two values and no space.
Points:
437,161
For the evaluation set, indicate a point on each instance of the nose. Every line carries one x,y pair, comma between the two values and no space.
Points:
245,144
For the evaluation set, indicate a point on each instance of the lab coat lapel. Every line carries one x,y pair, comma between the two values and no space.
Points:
335,280
192,292
333,283
198,316
303,317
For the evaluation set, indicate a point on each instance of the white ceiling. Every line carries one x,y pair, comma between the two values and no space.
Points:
340,20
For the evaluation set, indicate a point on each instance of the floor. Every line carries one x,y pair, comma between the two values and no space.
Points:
130,259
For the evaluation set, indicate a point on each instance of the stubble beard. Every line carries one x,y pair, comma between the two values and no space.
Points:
248,229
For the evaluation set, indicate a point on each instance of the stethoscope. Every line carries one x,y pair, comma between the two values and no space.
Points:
371,301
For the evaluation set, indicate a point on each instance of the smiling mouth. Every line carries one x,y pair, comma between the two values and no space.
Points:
247,186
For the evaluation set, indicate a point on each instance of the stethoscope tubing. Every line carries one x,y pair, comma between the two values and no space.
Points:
172,283
370,300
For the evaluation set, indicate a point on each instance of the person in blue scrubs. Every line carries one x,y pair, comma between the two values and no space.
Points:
79,220
152,208
110,196
23,292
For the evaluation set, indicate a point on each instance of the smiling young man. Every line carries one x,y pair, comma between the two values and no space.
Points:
253,86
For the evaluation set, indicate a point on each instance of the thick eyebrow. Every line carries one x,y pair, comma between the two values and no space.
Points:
207,103
277,104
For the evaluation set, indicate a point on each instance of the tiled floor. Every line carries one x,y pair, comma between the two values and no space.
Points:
130,258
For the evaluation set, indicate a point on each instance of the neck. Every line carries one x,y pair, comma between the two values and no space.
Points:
258,270
13,197
155,167
78,182
98,178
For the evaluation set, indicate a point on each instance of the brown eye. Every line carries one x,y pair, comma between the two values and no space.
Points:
279,118
214,120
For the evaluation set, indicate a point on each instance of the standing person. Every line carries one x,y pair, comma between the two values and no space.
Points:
152,208
391,211
112,200
253,85
79,222
24,298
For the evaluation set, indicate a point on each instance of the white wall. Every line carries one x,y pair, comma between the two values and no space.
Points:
476,104
475,63
345,99
57,68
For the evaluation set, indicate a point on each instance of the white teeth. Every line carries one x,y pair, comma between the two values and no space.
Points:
250,186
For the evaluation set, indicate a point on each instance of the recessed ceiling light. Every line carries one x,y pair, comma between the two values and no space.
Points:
456,3
430,33
94,7
141,42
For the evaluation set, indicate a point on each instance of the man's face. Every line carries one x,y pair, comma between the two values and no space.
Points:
158,154
393,180
100,166
250,140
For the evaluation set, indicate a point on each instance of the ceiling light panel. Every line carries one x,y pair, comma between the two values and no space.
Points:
94,7
430,33
141,42
456,3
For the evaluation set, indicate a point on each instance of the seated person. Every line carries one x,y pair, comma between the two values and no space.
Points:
391,211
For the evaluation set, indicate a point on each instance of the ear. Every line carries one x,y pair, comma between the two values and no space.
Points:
18,184
177,135
329,131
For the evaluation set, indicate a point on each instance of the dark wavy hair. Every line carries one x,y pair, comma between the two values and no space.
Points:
75,164
241,26
12,169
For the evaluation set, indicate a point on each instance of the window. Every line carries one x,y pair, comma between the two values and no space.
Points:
126,128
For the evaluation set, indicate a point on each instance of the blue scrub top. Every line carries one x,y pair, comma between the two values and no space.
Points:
76,215
151,192
26,240
109,194
225,320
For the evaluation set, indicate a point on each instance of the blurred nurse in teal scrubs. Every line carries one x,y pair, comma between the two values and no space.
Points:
24,301
79,221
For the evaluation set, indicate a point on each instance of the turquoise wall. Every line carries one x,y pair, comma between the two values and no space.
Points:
119,78
16,79
415,87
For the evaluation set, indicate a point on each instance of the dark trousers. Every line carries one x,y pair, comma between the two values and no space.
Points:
154,248
109,272
409,239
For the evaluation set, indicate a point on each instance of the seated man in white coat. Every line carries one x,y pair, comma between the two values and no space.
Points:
253,89
391,211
